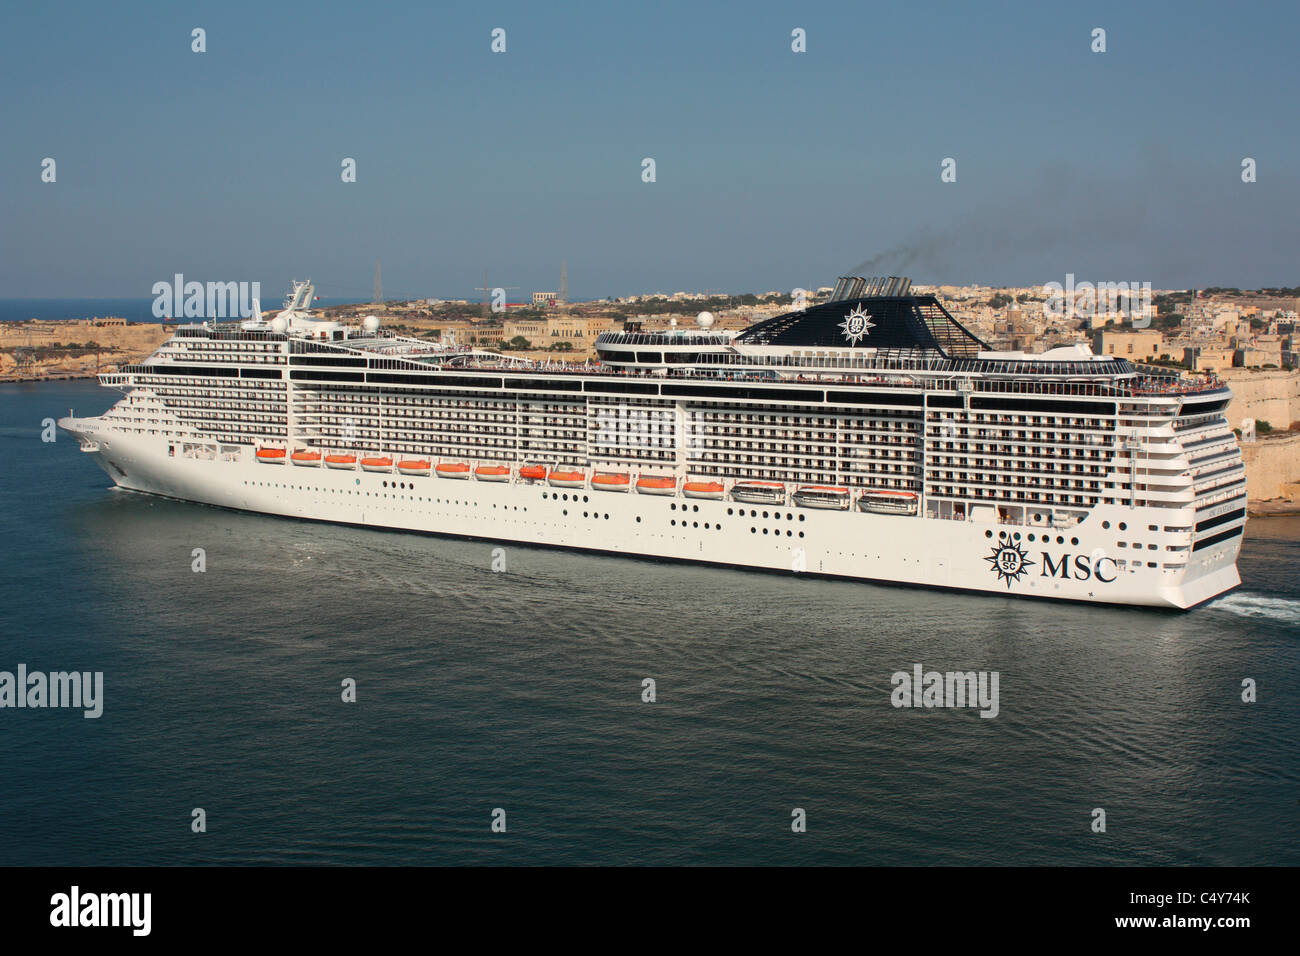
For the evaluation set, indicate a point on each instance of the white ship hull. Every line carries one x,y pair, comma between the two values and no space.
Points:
1079,563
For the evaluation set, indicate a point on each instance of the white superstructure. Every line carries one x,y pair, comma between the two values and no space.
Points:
869,437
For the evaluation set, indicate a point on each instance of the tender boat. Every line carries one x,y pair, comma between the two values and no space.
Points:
822,496
271,456
759,492
307,459
885,501
656,485
452,469
492,473
416,466
533,472
340,461
703,489
377,464
605,481
567,478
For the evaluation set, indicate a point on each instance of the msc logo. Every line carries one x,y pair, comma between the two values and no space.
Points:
1011,562
856,324
1084,568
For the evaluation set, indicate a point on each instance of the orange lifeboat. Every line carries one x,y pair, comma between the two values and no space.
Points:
656,485
416,466
448,469
271,456
308,459
567,478
611,482
492,473
533,472
340,461
703,489
383,463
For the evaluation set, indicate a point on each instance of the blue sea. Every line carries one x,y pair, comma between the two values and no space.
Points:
131,309
522,691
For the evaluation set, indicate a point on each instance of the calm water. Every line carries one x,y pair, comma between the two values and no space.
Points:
133,309
521,690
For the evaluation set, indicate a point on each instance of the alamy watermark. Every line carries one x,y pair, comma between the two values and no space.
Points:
79,689
197,300
76,908
922,688
1088,300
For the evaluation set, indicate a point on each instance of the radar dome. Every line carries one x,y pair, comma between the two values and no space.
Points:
704,320
279,324
370,324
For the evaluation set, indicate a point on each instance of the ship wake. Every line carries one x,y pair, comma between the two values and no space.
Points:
1248,604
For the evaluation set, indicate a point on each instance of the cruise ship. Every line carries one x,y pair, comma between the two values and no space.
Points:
870,436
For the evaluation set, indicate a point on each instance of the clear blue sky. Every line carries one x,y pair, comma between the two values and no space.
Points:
775,169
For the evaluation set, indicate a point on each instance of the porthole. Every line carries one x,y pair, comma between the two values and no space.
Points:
989,534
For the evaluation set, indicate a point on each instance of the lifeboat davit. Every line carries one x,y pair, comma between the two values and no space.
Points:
703,489
308,459
611,482
416,466
377,464
340,461
492,473
271,456
449,469
759,492
656,485
822,496
567,478
533,472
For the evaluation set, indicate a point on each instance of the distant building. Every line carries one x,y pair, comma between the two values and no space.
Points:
579,329
1208,358
1137,344
544,298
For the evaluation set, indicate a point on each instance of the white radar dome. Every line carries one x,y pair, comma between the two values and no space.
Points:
370,324
279,324
704,320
